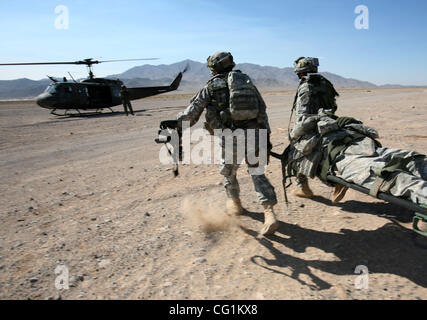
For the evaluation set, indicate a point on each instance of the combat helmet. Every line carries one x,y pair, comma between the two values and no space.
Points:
221,62
303,64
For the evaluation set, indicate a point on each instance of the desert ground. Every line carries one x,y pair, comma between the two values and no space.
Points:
90,194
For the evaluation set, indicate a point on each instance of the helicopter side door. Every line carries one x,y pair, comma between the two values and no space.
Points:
99,96
83,96
69,94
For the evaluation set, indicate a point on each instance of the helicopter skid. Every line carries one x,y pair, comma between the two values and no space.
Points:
67,113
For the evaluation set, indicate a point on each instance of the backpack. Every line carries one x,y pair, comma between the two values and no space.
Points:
244,101
322,92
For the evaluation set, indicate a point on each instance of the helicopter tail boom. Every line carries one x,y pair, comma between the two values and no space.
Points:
139,93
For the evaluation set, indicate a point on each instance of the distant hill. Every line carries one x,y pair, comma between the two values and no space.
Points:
265,77
22,88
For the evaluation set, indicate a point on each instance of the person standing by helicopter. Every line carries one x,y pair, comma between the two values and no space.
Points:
124,94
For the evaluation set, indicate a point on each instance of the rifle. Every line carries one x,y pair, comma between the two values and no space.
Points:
171,125
284,158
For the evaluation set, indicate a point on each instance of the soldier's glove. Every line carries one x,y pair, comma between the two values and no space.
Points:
329,113
169,124
165,125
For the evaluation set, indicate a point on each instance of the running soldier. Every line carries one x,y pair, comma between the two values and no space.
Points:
232,102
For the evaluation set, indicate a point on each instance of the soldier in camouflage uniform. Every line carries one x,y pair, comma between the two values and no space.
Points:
402,173
323,144
127,106
215,98
350,151
315,96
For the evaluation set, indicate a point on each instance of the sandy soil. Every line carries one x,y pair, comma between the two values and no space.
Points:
90,194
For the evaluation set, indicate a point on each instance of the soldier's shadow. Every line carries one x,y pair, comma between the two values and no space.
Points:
387,250
380,208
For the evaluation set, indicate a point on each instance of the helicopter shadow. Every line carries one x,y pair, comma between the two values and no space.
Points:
387,250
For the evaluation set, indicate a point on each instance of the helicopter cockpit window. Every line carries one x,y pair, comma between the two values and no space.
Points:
51,89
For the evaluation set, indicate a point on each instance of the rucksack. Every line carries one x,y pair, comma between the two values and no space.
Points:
244,102
322,92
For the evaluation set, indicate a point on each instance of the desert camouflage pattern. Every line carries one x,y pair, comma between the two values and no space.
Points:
217,111
314,129
197,105
359,162
264,190
315,95
310,119
212,99
220,62
244,100
303,64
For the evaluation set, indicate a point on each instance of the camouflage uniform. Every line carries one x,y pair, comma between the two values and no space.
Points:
314,98
212,98
360,162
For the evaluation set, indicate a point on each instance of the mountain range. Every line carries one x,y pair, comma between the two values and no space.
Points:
265,77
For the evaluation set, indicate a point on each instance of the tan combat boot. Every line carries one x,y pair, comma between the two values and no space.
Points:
270,222
234,207
303,191
339,193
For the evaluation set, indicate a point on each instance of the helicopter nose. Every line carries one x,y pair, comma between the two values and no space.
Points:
45,100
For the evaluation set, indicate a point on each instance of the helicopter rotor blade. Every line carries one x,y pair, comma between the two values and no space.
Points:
87,62
34,63
128,60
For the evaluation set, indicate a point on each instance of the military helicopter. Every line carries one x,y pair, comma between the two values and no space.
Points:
92,94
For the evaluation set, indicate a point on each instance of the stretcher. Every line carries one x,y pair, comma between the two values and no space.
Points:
420,213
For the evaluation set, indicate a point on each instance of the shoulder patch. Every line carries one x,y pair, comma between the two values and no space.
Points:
218,83
303,88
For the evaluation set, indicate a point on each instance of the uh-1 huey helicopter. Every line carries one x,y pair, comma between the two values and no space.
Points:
92,94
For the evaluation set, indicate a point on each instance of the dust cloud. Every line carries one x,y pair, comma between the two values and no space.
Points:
209,214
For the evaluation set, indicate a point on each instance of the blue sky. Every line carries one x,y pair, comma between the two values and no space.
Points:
392,50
